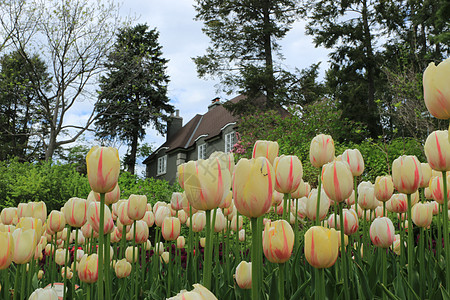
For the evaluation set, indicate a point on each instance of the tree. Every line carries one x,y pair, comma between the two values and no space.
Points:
134,91
19,111
244,37
73,37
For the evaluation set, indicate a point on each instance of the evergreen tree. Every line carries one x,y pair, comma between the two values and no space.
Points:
134,91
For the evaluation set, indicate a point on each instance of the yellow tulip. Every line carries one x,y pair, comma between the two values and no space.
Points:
437,189
31,223
165,257
278,241
176,202
122,268
60,257
141,232
288,173
93,217
206,183
436,90
311,205
267,149
243,275
25,241
180,174
382,232
103,167
321,150
149,218
406,174
383,188
198,221
47,293
181,242
321,246
426,175
137,206
170,228
422,214
88,268
56,221
253,185
75,210
6,250
337,180
129,254
7,215
355,160
302,191
226,159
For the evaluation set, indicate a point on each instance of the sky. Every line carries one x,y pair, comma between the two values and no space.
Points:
181,38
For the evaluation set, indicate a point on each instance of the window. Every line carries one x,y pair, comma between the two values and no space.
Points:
229,141
201,151
162,165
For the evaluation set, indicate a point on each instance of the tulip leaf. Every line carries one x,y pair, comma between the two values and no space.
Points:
387,292
364,288
410,288
273,292
300,290
445,294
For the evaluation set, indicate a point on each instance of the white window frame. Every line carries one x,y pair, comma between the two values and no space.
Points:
162,165
201,151
229,141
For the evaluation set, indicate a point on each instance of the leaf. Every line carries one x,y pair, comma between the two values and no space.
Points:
273,292
366,291
387,292
300,290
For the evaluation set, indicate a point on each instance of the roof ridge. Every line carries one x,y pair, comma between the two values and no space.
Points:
193,132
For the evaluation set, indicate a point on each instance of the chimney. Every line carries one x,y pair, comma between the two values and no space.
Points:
214,102
174,124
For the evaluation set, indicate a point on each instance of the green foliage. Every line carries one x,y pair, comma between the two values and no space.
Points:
52,183
154,189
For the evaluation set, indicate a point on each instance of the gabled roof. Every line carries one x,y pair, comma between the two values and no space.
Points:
209,125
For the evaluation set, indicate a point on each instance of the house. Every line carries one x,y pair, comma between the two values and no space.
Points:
201,136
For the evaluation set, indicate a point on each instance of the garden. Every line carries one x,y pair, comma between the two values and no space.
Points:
274,226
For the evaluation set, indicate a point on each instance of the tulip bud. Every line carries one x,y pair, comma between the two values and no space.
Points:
75,212
137,206
241,235
142,232
182,216
383,188
6,250
93,216
170,228
165,256
288,173
278,241
406,174
422,214
311,205
122,268
161,213
25,241
103,167
243,275
176,201
337,180
40,275
206,183
321,150
129,254
68,274
180,175
366,197
149,218
227,201
436,90
302,191
253,185
47,293
88,268
265,149
8,215
321,246
355,160
56,221
437,189
382,232
198,221
181,242
202,242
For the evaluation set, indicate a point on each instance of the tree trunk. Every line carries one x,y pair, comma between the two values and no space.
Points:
270,86
132,156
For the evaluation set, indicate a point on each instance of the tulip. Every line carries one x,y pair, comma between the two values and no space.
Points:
355,160
321,150
236,224
253,185
226,159
60,257
437,189
149,218
345,238
103,167
351,199
122,212
40,275
141,233
180,175
227,201
206,183
382,232
136,206
93,217
88,268
436,90
161,214
337,180
397,203
278,241
383,188
176,201
422,214
437,150
129,254
181,242
198,221
122,268
6,250
25,241
7,215
221,222
75,212
311,205
170,228
202,242
265,149
31,223
426,175
21,210
56,221
41,294
288,173
182,216
303,190
406,174
277,198
321,246
241,235
165,256
243,275
366,197
68,273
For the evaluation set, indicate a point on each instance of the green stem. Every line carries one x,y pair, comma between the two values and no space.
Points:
410,246
208,253
22,285
439,237
190,255
107,269
319,189
53,265
281,282
285,200
343,256
446,242
365,247
402,241
384,269
16,283
134,284
74,271
169,277
256,249
66,257
422,263
296,227
123,241
238,245
101,242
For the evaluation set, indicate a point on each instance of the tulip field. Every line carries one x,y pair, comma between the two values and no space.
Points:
251,229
